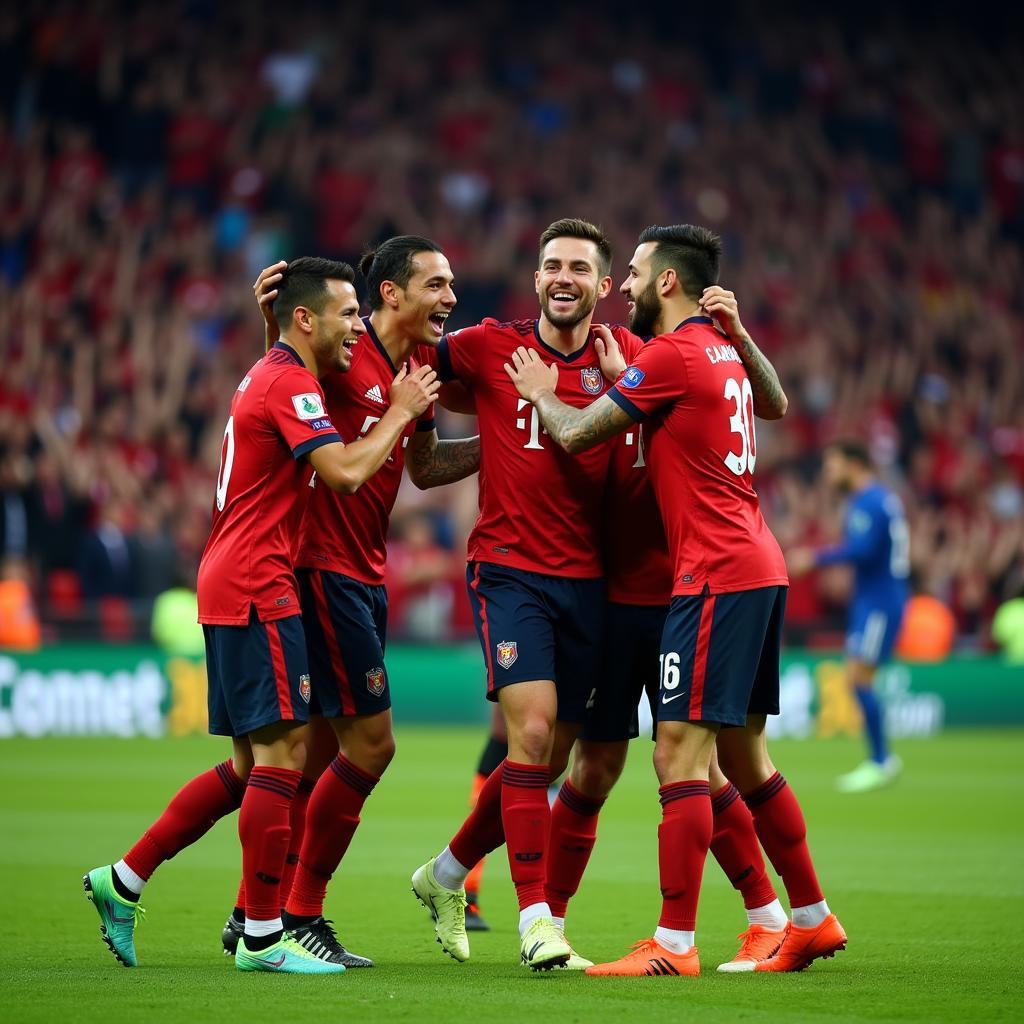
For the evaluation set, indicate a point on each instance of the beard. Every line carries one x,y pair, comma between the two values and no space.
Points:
645,313
563,321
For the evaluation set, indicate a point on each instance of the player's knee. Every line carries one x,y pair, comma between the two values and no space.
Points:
533,737
595,771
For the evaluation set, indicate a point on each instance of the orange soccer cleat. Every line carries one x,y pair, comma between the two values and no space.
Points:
758,944
649,957
802,945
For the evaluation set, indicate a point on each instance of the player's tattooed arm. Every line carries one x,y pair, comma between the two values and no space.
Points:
575,430
770,402
432,462
265,290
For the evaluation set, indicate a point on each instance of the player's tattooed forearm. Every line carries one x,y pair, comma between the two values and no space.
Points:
578,430
770,400
444,462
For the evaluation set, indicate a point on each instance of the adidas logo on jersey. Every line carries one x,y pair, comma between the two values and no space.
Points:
374,394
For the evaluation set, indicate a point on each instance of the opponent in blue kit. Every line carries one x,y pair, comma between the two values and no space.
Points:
877,545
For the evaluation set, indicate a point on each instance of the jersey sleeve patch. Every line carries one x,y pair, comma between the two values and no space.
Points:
309,406
632,378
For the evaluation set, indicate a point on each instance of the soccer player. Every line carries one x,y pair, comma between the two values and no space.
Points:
340,566
278,435
639,580
877,544
535,581
720,646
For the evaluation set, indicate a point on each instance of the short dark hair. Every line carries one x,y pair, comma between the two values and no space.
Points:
692,252
852,449
304,283
392,261
573,227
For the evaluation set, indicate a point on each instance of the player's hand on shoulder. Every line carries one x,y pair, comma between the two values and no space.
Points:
609,355
531,376
412,393
722,306
265,290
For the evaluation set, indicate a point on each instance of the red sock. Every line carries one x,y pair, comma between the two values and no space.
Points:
527,820
684,836
263,829
735,846
240,898
573,834
783,833
297,820
189,816
331,820
476,872
483,830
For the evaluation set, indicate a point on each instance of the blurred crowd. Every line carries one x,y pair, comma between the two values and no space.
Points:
867,179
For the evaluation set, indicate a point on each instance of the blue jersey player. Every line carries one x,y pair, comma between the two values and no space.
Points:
877,545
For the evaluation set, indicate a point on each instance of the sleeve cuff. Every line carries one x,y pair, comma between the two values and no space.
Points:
424,425
444,362
625,404
314,442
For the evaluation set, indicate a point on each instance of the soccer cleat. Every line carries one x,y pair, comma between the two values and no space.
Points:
474,922
318,938
802,945
543,946
575,961
285,956
118,917
448,909
233,931
869,775
650,958
758,944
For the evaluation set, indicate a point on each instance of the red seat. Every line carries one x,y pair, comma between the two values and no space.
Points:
116,622
64,592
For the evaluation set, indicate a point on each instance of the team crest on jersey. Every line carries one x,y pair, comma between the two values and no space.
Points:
375,681
309,406
304,687
632,377
507,653
592,379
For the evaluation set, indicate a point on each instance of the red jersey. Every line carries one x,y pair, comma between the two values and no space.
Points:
637,563
347,533
277,416
701,452
540,507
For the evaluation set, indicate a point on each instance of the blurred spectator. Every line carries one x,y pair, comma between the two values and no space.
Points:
1008,629
19,624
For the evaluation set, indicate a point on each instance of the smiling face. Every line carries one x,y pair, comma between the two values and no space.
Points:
568,282
336,329
640,289
423,305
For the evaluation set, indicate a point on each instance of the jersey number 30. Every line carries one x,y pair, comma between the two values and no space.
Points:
741,422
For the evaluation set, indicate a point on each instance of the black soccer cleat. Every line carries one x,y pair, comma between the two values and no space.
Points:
317,937
233,931
474,922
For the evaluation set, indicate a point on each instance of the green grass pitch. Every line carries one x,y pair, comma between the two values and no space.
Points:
926,877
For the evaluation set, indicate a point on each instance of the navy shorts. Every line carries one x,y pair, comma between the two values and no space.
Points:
346,631
872,631
630,669
535,626
720,656
256,675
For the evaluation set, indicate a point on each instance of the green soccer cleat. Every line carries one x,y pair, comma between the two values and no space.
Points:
543,946
285,956
448,909
575,961
118,916
870,775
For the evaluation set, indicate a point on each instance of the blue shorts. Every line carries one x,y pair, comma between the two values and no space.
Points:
630,669
872,631
256,675
535,626
720,656
346,630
